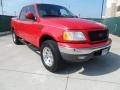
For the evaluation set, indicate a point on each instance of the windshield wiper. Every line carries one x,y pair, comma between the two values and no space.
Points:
51,16
60,16
74,16
70,16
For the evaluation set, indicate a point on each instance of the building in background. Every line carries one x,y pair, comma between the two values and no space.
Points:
112,8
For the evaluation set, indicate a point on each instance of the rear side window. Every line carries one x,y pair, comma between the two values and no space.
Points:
25,10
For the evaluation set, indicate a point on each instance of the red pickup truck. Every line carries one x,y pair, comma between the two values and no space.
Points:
59,35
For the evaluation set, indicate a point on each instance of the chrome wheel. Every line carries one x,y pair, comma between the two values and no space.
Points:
48,56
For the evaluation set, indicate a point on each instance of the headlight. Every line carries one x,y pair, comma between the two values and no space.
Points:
74,36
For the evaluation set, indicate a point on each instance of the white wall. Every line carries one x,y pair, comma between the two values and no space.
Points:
109,2
118,2
111,8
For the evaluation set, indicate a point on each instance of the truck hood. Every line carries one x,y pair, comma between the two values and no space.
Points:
73,23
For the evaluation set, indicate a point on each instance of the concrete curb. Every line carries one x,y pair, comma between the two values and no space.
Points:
5,33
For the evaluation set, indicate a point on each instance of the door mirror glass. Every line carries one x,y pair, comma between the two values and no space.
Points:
30,15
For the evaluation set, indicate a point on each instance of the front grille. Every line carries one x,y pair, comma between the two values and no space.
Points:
98,35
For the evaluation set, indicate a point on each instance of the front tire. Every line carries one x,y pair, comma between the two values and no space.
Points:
15,38
50,55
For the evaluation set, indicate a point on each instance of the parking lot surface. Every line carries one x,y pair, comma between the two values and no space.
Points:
22,69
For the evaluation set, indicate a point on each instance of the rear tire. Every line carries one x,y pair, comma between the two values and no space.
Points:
50,55
16,39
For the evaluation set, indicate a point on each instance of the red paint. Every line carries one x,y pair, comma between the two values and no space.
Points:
33,31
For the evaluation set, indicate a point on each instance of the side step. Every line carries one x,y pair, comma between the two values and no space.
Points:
30,46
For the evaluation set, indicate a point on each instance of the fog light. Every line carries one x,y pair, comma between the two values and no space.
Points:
81,57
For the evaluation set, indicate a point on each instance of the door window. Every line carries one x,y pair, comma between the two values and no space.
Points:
22,14
25,10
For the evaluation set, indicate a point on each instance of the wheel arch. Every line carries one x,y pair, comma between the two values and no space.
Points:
44,38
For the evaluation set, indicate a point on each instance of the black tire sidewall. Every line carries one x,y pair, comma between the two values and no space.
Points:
13,33
56,55
17,42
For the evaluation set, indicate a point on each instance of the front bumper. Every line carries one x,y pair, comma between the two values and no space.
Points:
83,54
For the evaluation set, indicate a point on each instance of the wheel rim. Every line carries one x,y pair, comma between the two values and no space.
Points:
48,56
13,35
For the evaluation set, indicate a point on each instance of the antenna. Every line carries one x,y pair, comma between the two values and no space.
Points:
102,8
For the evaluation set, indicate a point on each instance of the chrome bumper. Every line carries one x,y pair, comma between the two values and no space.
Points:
82,51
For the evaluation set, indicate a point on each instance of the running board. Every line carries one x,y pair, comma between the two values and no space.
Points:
35,49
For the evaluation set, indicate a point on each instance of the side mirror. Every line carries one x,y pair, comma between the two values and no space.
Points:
30,15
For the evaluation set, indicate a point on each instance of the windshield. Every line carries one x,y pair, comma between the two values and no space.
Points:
47,10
